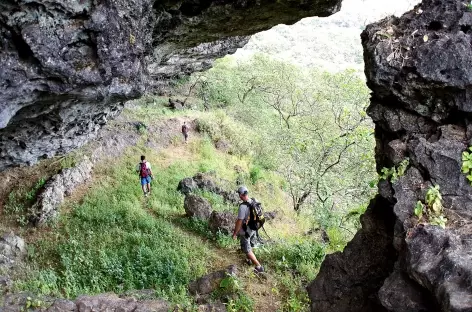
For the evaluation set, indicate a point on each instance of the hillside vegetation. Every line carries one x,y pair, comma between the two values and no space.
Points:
298,139
309,127
328,43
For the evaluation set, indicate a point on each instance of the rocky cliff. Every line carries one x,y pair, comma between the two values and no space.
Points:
419,68
68,65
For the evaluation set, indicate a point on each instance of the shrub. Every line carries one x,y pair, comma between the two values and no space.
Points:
433,211
255,174
292,254
19,202
219,126
337,239
243,303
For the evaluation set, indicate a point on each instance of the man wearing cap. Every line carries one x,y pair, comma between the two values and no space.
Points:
243,231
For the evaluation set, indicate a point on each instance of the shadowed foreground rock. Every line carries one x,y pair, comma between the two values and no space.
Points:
100,303
419,68
67,66
347,279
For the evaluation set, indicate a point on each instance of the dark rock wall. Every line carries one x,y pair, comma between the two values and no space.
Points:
419,68
66,68
68,65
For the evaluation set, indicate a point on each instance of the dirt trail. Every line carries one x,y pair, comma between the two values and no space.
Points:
259,288
168,140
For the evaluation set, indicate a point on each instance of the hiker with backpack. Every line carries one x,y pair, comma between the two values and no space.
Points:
185,131
250,219
145,175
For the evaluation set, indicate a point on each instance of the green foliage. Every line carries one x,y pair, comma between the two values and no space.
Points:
31,195
255,174
337,239
439,221
197,226
219,127
225,241
243,303
419,208
19,202
292,255
297,296
110,243
433,210
232,291
141,127
229,286
217,202
70,160
15,204
467,164
230,283
354,215
433,200
32,304
297,303
309,126
394,173
468,6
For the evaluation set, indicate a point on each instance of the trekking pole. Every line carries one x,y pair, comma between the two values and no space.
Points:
266,233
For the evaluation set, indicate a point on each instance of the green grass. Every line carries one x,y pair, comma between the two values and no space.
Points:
151,108
114,242
217,202
300,256
20,201
117,240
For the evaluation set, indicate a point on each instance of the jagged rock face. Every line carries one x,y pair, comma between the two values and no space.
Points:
419,68
345,281
68,65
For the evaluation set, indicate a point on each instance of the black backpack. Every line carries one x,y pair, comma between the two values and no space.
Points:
256,215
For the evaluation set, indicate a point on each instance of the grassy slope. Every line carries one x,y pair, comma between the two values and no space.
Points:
113,239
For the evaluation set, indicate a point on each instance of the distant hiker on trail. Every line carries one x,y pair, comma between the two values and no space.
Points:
185,131
145,175
246,226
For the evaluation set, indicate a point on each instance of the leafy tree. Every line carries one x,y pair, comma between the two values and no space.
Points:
312,126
